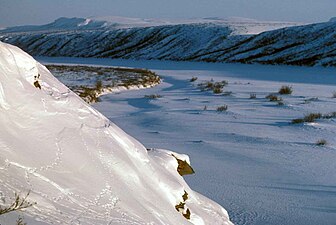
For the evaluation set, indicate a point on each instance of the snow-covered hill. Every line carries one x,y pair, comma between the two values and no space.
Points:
79,167
209,40
239,25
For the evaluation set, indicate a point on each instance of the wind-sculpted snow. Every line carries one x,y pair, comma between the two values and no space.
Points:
79,167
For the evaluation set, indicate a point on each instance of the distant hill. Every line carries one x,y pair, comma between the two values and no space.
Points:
209,39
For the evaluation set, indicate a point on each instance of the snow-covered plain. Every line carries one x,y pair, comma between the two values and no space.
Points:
79,167
250,159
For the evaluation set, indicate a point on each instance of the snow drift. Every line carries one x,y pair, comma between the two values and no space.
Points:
79,167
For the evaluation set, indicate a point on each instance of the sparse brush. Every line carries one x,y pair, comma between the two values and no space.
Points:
312,117
19,203
285,90
297,121
253,96
20,221
153,96
89,94
217,90
321,142
209,85
220,84
193,79
216,87
99,78
281,103
273,98
99,85
222,108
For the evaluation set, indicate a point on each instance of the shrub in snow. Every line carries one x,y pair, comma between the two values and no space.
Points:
334,94
217,90
308,118
285,90
253,96
153,96
99,85
281,103
216,87
296,121
20,221
273,98
193,79
312,117
222,108
89,94
321,142
18,203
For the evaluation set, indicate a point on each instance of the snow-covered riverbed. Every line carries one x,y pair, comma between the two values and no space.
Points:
250,159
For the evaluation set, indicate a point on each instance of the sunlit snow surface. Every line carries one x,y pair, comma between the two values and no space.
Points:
250,159
78,166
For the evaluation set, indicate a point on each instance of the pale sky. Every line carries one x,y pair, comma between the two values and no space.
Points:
23,12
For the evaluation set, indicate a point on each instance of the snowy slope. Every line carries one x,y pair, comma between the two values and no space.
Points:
240,25
79,166
209,40
61,24
332,19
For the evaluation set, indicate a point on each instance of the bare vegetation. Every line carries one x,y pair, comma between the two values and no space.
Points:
19,203
222,108
253,96
312,117
153,96
193,79
215,87
321,142
97,79
273,98
285,90
20,221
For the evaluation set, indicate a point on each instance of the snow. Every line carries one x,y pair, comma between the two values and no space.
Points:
250,159
241,25
79,167
207,40
332,19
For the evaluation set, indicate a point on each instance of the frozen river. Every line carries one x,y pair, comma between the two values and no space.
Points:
250,159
